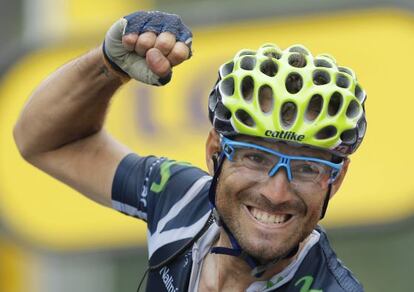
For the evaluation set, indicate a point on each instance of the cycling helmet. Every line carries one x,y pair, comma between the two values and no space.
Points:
289,96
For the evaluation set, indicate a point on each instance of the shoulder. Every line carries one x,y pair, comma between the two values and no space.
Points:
171,196
327,271
147,187
155,174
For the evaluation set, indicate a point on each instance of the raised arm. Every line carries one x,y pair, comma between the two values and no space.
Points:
60,129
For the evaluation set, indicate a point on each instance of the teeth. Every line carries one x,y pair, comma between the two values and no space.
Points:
268,218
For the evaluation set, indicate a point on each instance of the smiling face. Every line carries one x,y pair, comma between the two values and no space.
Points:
269,217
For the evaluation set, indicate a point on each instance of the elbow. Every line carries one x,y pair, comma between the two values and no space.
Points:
20,138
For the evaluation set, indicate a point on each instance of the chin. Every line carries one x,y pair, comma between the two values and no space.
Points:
266,247
266,252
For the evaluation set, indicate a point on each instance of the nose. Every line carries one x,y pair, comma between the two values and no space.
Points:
277,188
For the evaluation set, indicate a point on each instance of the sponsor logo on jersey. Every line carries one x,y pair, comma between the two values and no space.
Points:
167,279
306,284
285,135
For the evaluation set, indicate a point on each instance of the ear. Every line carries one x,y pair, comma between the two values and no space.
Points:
212,147
340,179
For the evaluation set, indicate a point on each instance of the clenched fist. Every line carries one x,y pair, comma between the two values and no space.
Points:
146,45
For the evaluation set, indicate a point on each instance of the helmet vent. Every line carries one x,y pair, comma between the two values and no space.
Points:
362,126
288,114
247,53
322,63
298,49
213,98
359,93
222,112
269,68
314,107
326,133
353,109
294,83
245,118
227,86
342,81
321,77
346,70
297,60
272,54
247,88
266,99
226,69
335,103
248,63
349,136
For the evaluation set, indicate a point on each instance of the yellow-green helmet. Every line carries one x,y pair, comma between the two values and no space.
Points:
289,96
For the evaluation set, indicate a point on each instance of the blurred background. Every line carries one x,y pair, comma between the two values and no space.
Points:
54,239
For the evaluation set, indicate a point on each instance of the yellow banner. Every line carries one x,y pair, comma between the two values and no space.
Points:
172,121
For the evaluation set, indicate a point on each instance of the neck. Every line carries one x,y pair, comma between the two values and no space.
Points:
229,273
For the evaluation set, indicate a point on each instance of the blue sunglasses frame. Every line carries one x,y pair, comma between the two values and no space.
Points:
229,146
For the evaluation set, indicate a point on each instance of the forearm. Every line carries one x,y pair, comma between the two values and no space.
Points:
68,106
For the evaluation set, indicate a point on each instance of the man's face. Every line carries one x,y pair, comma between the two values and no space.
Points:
270,217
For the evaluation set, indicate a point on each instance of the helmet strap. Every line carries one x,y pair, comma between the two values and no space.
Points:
326,201
218,165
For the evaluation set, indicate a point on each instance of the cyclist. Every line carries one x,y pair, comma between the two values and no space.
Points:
284,123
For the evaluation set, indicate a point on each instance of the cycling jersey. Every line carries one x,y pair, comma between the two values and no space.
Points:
172,197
